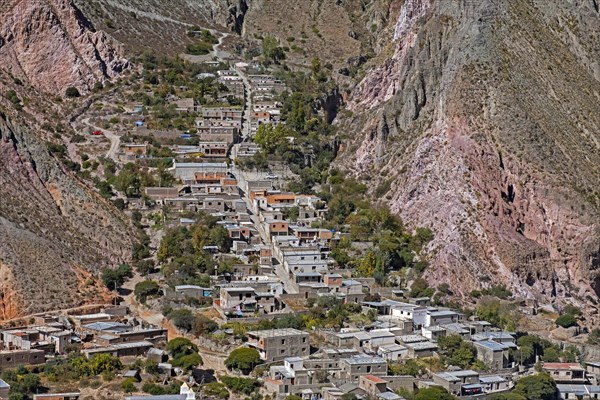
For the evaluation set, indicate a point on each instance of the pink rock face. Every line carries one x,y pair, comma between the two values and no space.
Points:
382,83
51,45
477,119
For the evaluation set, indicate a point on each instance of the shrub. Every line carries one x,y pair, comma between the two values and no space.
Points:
72,92
245,386
128,385
216,389
566,321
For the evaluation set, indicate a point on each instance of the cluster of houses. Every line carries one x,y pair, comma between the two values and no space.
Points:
356,363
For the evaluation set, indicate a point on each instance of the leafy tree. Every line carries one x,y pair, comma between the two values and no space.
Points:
145,267
271,49
293,397
188,362
271,137
72,92
420,288
566,321
146,288
114,278
179,347
244,359
458,352
434,393
537,387
183,319
551,354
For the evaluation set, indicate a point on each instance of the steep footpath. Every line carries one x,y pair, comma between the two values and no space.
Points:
483,119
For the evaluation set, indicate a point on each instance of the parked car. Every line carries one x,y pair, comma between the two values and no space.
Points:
97,133
271,175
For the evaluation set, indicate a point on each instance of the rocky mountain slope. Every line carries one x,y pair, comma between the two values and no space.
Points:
54,230
481,120
51,45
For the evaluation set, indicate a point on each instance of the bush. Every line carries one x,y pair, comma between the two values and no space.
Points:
72,92
566,321
185,353
128,385
216,389
245,386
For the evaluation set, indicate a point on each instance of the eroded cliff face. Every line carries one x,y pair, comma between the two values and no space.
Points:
53,230
51,45
486,120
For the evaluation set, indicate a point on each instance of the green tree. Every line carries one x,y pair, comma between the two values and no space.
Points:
434,393
183,319
271,49
179,347
114,278
244,359
537,387
146,288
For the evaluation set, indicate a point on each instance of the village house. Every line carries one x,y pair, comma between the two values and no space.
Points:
353,367
459,382
278,344
14,358
297,374
577,391
120,349
193,172
241,300
494,354
494,383
224,134
57,396
565,372
134,149
193,291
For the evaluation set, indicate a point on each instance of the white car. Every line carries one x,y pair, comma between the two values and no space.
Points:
271,175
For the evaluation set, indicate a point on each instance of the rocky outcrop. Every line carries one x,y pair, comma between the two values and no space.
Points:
51,45
486,117
52,228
